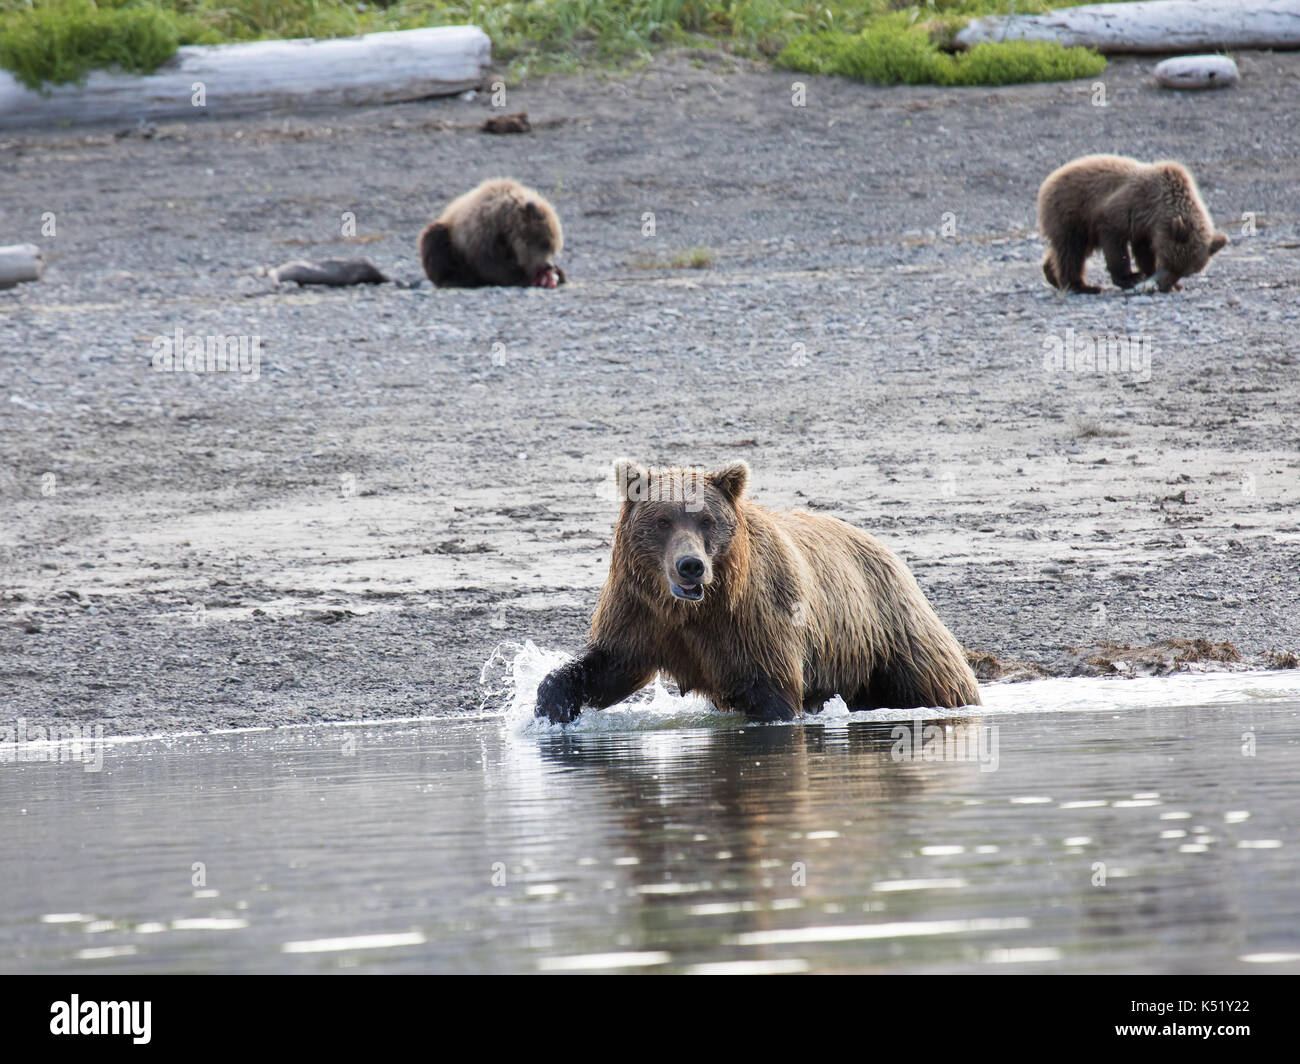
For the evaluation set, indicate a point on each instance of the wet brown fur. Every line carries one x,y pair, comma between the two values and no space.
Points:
1113,203
796,608
499,233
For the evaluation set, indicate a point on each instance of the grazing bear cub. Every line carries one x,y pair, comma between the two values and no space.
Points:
767,613
1111,202
500,233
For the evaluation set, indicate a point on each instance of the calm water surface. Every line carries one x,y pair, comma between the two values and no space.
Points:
1136,826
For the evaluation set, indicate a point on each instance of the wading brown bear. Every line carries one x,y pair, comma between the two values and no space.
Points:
500,233
767,613
1114,203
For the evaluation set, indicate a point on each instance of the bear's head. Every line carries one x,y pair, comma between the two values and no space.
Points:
1184,248
1186,237
536,240
679,528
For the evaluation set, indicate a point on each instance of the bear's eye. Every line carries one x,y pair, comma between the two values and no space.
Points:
706,523
664,523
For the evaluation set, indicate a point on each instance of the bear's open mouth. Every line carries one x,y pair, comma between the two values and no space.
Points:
690,592
546,277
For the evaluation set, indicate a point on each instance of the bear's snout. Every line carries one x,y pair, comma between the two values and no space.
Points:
687,574
690,568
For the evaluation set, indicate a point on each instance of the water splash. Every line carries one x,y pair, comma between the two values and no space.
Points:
510,676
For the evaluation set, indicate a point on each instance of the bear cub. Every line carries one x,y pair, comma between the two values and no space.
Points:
1114,203
767,613
500,233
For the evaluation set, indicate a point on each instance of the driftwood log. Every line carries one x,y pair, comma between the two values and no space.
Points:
1150,26
227,79
20,262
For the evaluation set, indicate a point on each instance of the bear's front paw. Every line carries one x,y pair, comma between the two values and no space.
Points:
558,697
766,712
1128,280
763,702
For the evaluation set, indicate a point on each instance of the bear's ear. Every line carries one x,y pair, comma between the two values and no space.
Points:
1219,242
531,211
1178,227
731,480
628,479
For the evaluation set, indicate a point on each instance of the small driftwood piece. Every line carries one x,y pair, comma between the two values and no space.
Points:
19,263
1198,72
517,123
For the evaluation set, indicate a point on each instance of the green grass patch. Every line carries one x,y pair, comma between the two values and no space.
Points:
63,43
1009,62
696,258
699,258
57,41
895,50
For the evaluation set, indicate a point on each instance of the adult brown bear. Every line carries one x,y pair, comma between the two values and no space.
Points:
767,613
499,233
1112,202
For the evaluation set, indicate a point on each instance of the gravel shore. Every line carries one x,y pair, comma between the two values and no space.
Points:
413,476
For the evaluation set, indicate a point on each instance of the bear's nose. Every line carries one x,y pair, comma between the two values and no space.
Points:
691,568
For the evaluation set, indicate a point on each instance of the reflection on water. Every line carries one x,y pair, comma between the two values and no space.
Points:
1136,839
